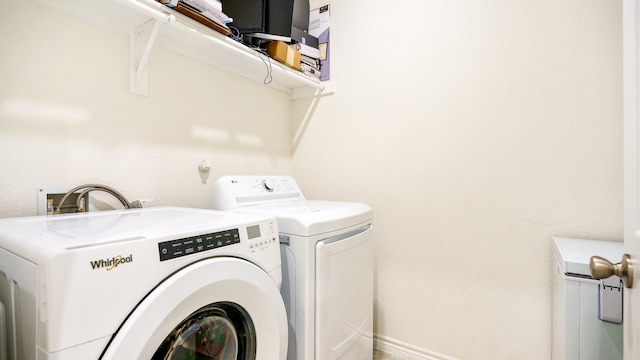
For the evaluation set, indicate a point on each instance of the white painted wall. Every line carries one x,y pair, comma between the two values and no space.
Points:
67,117
476,130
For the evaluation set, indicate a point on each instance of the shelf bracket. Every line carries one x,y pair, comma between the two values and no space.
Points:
142,40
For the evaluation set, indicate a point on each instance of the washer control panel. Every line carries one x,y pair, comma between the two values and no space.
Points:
258,237
186,246
262,236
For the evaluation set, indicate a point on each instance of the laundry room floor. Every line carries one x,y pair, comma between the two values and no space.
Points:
379,355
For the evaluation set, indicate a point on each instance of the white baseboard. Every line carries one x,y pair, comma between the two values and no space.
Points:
406,351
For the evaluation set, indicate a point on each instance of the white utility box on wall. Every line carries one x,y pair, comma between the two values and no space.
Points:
587,313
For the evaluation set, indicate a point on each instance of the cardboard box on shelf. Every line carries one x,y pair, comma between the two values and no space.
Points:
284,53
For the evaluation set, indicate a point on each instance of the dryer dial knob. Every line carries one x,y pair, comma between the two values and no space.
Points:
268,185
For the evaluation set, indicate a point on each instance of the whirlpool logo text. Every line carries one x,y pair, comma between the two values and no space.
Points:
110,264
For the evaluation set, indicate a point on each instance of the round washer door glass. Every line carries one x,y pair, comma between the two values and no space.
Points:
220,331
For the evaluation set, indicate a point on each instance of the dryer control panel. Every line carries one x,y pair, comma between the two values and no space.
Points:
232,192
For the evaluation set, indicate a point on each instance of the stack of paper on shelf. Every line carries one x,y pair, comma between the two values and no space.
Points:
309,60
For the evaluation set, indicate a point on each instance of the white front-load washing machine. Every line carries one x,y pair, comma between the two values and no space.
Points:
327,259
156,283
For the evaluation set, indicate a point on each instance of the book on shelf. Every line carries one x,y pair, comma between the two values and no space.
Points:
205,5
202,5
211,9
210,21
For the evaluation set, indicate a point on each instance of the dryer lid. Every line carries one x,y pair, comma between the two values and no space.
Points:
281,197
314,217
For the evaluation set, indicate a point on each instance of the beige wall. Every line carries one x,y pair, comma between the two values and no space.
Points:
476,130
67,117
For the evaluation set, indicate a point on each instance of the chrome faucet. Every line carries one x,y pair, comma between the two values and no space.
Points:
96,187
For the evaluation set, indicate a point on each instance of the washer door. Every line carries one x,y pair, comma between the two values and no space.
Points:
219,308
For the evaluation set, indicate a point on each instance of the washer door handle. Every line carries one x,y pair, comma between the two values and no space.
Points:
602,268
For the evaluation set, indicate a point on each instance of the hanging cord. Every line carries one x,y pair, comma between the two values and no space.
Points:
266,59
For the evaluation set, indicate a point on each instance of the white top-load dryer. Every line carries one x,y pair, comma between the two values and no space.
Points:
327,257
156,283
